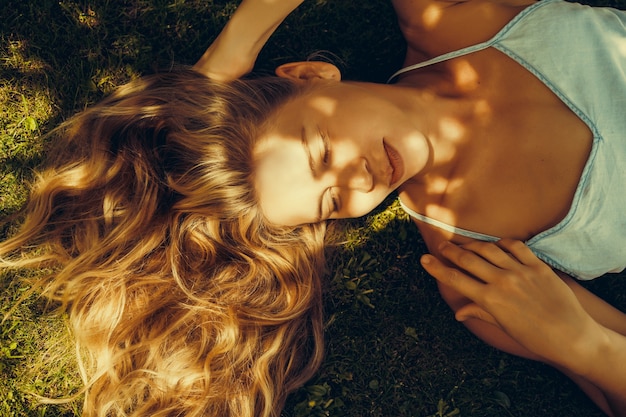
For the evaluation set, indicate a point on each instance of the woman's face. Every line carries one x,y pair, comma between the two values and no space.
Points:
336,151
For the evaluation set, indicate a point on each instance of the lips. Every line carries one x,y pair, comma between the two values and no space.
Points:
395,160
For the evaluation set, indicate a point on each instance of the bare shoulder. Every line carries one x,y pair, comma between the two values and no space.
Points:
433,27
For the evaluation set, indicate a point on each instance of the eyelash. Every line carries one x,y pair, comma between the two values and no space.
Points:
326,143
325,160
335,202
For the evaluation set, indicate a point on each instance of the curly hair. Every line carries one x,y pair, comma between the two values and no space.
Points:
188,302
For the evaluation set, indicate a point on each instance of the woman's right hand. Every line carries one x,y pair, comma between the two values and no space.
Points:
517,292
235,50
514,290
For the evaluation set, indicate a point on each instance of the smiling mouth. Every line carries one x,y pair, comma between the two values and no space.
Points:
395,160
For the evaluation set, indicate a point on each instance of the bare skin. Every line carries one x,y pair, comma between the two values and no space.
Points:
507,135
235,50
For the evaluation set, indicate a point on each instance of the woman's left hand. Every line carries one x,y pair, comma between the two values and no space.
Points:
513,289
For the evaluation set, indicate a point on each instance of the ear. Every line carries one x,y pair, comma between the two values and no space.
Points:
309,71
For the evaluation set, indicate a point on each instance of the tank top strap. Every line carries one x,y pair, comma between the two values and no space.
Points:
444,226
472,48
441,58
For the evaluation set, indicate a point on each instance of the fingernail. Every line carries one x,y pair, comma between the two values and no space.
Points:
426,260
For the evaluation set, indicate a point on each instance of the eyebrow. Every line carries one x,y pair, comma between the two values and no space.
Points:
307,150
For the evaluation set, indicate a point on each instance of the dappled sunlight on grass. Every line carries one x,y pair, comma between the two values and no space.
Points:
50,373
22,112
381,220
38,351
13,56
83,15
25,106
358,232
393,346
108,79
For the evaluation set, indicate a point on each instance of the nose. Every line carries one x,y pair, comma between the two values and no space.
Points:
357,177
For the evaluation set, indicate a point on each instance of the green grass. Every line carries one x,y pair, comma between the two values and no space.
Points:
394,348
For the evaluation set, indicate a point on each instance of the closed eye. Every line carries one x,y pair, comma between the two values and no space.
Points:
335,201
326,144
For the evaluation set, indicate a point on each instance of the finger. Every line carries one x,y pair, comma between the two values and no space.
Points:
493,253
473,311
520,251
452,277
468,260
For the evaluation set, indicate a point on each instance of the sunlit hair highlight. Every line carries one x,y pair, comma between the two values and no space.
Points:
187,301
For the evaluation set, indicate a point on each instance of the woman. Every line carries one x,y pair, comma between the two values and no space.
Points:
172,193
467,148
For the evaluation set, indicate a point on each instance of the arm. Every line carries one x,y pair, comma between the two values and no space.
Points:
560,322
235,50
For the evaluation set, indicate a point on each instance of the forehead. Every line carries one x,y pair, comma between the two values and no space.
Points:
284,182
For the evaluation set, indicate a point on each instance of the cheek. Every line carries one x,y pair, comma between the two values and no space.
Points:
346,146
354,130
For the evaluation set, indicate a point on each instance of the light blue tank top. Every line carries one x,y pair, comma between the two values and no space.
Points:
579,52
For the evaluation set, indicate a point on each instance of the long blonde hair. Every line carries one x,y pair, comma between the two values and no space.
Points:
186,300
